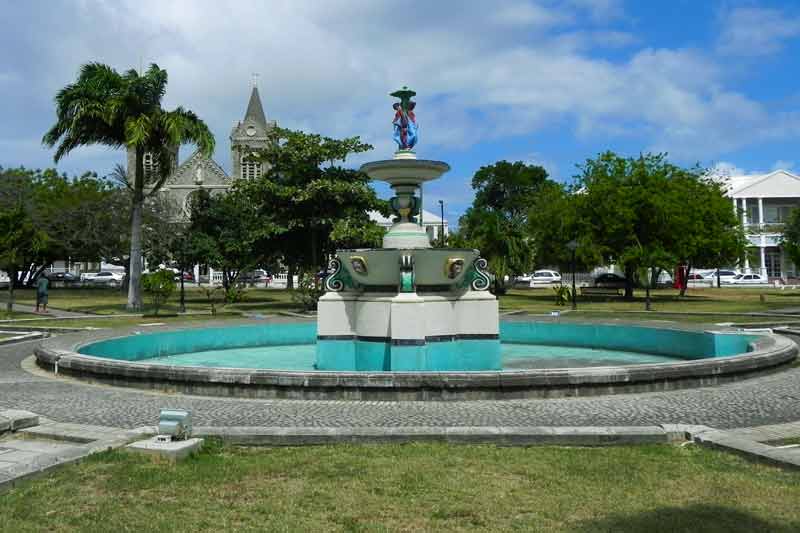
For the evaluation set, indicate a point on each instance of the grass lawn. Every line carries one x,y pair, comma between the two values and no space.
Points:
262,301
415,487
724,300
104,301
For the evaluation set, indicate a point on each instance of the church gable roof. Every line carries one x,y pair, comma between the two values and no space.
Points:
199,169
776,184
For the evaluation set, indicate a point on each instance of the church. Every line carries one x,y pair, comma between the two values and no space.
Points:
200,172
247,136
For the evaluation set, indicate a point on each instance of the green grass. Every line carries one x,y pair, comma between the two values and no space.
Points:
717,302
416,487
103,301
725,300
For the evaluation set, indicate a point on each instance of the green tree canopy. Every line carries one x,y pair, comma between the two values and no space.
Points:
317,202
497,221
124,110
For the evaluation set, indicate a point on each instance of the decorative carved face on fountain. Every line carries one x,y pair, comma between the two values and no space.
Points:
454,267
359,265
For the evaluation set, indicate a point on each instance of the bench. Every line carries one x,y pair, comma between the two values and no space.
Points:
600,291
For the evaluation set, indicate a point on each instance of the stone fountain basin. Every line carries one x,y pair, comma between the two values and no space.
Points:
405,171
430,265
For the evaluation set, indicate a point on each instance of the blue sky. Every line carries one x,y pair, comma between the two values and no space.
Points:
549,82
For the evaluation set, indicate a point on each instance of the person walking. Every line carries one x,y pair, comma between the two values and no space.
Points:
42,286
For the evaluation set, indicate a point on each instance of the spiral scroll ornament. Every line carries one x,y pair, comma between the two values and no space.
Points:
482,278
333,283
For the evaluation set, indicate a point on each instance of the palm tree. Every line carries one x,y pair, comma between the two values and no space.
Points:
124,110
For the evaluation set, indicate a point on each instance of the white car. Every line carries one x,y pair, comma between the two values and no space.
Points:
104,277
545,277
725,276
749,279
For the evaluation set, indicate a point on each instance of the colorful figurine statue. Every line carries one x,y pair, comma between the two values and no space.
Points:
405,121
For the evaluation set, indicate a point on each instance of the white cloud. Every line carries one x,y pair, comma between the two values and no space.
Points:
755,31
328,67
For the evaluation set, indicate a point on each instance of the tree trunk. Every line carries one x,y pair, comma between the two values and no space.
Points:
290,276
647,291
12,281
629,283
685,284
183,295
719,284
134,286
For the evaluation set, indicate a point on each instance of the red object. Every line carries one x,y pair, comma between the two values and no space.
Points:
679,279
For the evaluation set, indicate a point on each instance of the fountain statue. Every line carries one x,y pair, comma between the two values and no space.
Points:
407,306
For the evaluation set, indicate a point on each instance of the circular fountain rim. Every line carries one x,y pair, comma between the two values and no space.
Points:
771,352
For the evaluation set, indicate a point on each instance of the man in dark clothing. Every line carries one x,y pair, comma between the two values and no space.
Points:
42,285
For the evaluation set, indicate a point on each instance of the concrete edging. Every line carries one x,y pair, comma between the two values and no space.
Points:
771,352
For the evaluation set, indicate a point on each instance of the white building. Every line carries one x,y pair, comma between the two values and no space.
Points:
433,223
764,202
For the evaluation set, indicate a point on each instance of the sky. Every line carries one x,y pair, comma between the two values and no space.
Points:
542,81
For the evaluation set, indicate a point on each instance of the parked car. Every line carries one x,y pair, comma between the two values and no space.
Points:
64,277
748,279
610,280
523,280
725,276
545,277
104,277
256,276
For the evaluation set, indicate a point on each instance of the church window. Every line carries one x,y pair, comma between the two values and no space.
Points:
149,165
251,168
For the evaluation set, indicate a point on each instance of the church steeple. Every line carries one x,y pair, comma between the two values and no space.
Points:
254,110
250,135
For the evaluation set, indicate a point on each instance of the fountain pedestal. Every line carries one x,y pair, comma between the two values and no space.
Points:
407,306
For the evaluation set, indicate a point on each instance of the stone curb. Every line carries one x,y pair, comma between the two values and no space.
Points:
502,436
26,336
750,449
770,353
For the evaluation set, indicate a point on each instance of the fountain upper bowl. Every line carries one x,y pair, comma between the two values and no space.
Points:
405,171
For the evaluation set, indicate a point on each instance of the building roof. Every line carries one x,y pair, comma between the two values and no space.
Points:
255,111
211,173
776,184
427,218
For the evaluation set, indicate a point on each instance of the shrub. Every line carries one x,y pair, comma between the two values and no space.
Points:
308,292
563,294
159,285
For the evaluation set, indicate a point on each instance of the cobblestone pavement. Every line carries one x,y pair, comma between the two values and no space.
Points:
771,399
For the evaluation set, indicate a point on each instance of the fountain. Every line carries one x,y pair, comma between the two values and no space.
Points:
407,306
411,322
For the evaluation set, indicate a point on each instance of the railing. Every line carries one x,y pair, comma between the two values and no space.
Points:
766,228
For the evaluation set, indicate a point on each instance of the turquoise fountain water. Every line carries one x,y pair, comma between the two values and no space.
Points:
523,345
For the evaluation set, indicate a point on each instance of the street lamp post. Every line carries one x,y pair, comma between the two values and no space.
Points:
573,245
441,232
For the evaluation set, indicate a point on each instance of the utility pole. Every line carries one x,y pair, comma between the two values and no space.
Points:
441,232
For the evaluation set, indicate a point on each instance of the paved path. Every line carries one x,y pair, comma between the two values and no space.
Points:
57,313
761,401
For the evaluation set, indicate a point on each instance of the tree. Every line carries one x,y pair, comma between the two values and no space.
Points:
312,202
497,221
227,232
77,214
554,221
708,231
124,110
626,208
791,236
160,285
21,244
